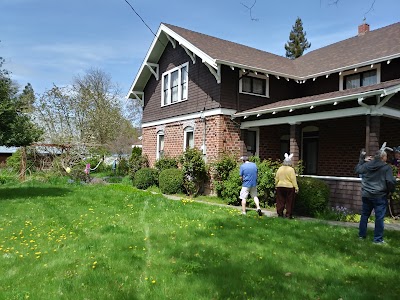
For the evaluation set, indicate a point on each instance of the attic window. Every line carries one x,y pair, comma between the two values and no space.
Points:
253,84
364,77
175,85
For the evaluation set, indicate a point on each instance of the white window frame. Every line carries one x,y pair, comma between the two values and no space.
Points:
376,67
185,136
159,134
180,96
241,74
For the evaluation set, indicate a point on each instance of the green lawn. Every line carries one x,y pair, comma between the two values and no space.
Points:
114,242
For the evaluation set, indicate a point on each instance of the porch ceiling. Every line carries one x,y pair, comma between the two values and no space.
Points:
383,92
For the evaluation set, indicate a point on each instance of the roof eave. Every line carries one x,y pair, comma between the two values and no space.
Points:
205,58
320,102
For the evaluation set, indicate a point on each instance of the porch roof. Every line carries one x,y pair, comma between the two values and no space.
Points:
383,92
382,89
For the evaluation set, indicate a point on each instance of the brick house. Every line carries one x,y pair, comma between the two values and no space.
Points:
219,96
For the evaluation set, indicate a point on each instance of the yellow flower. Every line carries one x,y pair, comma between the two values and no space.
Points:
153,281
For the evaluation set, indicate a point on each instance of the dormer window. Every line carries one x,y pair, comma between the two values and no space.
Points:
253,84
175,85
362,77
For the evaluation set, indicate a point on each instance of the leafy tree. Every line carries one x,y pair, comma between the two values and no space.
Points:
297,43
16,127
89,111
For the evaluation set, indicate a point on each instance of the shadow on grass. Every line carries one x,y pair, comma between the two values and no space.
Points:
226,274
12,193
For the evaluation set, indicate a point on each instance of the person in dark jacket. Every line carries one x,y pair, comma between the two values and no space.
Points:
377,182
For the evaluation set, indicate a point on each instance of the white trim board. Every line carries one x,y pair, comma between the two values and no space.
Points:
208,113
308,117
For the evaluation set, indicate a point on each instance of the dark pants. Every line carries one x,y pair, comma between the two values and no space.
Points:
379,206
285,197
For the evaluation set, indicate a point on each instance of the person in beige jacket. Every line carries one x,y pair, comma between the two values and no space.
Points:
286,187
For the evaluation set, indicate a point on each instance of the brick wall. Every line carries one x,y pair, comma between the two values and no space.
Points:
222,135
345,193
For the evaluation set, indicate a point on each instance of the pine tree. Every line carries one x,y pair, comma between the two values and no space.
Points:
297,43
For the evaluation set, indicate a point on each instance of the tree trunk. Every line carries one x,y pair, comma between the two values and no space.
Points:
23,164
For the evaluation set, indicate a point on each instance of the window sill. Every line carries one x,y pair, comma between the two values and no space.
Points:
169,104
258,95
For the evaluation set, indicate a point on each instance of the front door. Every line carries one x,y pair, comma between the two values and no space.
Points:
310,152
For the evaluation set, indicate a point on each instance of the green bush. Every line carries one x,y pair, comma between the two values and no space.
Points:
266,180
171,181
194,170
145,178
231,187
78,173
166,162
137,161
96,161
14,161
312,198
123,167
7,177
221,170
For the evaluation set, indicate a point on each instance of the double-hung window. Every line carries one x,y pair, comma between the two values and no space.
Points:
362,77
253,84
160,144
175,85
188,140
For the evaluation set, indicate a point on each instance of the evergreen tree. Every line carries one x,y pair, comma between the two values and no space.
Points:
16,127
297,43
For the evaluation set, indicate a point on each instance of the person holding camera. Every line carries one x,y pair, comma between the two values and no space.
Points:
377,182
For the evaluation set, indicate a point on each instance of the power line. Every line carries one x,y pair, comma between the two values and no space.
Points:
140,18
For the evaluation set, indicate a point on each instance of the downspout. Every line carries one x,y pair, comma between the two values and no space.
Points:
203,120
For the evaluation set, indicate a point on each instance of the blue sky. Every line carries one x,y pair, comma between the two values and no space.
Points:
51,41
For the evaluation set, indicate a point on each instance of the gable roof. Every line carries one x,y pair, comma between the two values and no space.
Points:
344,55
372,47
226,52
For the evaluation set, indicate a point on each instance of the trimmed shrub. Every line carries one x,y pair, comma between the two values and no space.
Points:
194,170
313,196
221,170
231,187
166,163
145,178
137,161
122,167
171,181
266,180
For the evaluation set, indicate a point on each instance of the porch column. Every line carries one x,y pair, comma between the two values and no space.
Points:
294,142
372,134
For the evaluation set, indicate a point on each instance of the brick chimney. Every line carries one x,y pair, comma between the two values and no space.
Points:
363,28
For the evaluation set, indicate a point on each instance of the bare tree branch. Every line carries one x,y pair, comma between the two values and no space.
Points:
370,9
250,10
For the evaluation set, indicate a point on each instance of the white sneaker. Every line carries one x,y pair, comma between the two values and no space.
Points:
243,212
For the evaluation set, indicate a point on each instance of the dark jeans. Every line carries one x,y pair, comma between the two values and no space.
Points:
285,197
379,206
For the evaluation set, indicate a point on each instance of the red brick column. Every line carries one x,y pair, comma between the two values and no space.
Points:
294,142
